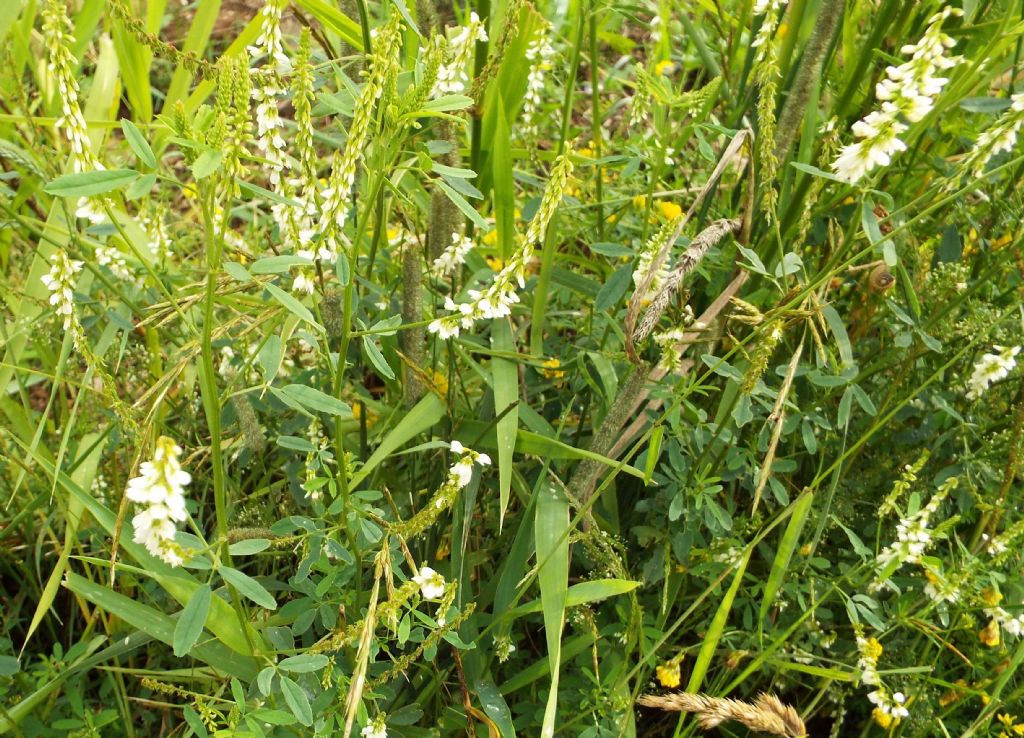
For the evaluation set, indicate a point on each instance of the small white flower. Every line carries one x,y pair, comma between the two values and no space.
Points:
304,283
991,368
453,256
908,94
376,729
160,487
457,447
432,584
61,281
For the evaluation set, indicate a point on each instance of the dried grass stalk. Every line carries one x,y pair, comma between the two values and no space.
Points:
766,714
707,238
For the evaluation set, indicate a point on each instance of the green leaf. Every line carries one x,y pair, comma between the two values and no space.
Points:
495,707
334,19
614,289
814,171
551,540
138,143
159,626
580,594
297,702
342,269
249,547
84,184
278,264
248,587
292,305
317,401
190,623
715,629
377,358
206,164
141,187
304,663
421,417
787,546
448,103
460,202
505,381
838,328
237,272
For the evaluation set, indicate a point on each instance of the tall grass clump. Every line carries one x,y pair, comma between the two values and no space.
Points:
511,368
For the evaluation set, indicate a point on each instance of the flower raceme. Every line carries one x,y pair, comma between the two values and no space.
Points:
992,367
160,488
452,77
61,281
497,299
907,94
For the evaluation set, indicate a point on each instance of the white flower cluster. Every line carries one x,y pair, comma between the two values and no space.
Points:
894,706
269,123
270,41
56,27
869,650
1000,137
375,728
462,470
1012,624
156,233
497,299
913,534
432,584
762,6
539,54
645,261
991,368
61,283
454,255
112,259
767,29
940,588
387,41
160,486
451,77
908,93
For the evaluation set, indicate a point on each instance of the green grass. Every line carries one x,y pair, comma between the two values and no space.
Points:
719,386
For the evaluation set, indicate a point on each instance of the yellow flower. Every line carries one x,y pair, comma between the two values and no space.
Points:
668,674
806,549
1003,240
613,218
586,151
664,67
989,635
440,383
849,200
948,698
357,412
991,596
189,190
669,210
881,717
551,370
783,30
1006,719
640,201
491,237
873,649
495,263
